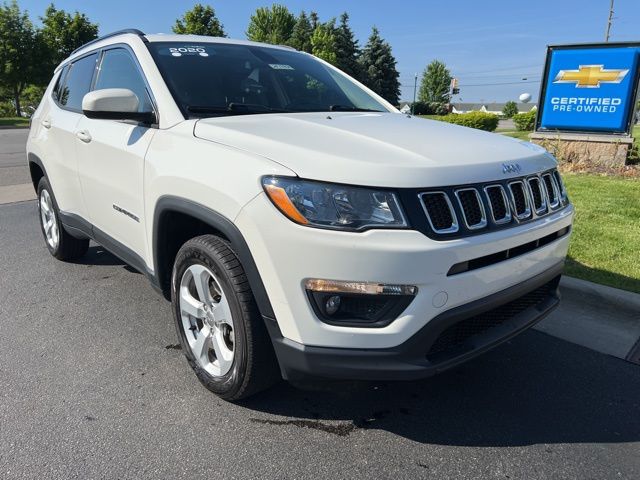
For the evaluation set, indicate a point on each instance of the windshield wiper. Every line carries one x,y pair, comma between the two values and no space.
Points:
233,108
348,108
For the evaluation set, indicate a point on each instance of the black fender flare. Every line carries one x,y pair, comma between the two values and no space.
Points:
33,158
226,227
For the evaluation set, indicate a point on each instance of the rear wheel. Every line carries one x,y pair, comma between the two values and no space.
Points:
60,244
220,329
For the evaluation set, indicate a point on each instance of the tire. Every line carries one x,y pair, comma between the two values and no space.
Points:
60,243
237,360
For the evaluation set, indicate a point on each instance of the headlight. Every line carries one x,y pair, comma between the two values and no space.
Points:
333,206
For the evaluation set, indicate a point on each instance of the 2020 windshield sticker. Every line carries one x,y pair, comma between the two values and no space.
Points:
280,66
191,50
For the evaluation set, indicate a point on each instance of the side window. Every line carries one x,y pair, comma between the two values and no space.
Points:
119,70
78,82
57,90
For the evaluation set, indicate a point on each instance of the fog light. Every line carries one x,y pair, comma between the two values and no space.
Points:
362,304
332,305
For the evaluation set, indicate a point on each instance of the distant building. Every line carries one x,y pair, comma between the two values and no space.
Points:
495,108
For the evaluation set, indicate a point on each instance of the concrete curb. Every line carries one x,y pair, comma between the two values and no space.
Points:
17,193
620,298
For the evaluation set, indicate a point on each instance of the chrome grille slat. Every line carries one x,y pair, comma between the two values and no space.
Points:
538,197
551,188
560,184
438,214
521,202
498,204
472,208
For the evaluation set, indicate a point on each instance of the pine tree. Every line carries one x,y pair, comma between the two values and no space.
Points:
347,49
314,19
301,35
379,68
436,81
200,20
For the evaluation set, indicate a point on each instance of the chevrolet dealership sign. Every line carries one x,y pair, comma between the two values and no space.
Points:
590,88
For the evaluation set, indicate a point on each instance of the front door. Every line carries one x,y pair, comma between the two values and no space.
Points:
111,159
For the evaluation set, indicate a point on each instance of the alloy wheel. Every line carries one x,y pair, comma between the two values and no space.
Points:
207,320
48,219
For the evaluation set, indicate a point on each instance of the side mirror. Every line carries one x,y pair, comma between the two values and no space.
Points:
115,104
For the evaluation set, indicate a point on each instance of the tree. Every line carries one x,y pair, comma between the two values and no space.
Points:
301,34
323,42
271,25
347,49
510,109
60,35
379,68
436,81
200,20
17,45
314,19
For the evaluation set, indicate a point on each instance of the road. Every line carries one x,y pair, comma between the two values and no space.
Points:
12,157
93,385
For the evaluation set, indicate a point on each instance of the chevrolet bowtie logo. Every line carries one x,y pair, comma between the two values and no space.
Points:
590,76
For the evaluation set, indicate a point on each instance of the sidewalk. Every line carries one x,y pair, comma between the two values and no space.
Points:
598,317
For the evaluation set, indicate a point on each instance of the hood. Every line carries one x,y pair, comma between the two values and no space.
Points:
375,149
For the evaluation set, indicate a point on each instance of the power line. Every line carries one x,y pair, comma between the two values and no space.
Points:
499,69
463,85
487,77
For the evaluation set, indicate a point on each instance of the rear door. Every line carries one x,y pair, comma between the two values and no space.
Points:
111,157
59,124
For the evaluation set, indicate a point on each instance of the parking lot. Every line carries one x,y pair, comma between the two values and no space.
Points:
93,385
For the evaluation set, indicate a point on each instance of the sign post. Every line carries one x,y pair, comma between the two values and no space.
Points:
587,101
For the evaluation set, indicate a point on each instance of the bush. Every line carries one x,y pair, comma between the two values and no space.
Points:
479,120
510,109
7,109
525,122
430,108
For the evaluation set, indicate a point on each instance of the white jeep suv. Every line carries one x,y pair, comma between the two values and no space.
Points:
301,226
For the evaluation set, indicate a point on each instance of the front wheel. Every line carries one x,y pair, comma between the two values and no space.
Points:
220,329
60,244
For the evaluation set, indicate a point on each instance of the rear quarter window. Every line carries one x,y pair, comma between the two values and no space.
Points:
57,89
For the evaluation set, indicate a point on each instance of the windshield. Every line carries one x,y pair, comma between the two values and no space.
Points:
216,79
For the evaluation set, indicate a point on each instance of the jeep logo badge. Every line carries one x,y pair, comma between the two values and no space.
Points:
511,168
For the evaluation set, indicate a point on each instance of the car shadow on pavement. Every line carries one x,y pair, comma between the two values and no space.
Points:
98,256
534,390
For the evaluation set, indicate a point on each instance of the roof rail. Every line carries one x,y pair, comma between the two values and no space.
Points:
134,31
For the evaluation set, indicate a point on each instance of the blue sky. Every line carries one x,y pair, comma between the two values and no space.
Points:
491,45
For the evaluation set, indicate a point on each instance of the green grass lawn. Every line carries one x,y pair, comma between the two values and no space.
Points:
14,122
605,246
514,134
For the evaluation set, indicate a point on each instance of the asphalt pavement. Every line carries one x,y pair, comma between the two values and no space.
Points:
93,385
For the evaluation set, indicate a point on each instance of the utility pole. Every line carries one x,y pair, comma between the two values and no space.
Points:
415,86
609,22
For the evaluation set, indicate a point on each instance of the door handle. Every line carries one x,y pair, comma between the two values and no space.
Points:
84,136
46,123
